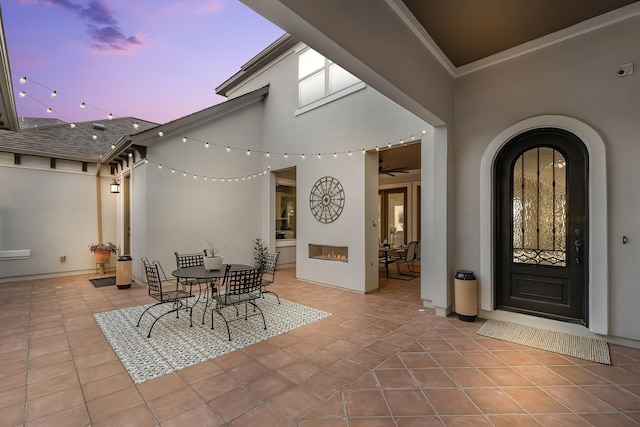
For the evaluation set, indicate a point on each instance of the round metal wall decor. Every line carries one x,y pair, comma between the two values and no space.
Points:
326,199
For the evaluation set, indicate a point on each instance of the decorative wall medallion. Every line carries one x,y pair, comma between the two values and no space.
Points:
326,199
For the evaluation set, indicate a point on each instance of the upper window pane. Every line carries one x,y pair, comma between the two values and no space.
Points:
339,78
312,88
309,61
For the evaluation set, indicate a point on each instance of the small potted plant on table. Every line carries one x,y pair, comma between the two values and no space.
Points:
211,260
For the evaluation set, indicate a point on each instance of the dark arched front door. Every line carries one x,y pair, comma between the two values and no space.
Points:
542,224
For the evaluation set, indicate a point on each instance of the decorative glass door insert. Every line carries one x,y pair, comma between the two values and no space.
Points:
540,208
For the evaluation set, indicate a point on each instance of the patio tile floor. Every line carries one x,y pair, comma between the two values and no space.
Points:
379,360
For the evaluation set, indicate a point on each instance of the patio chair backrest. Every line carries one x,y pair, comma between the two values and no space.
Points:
412,251
242,282
189,260
269,267
154,279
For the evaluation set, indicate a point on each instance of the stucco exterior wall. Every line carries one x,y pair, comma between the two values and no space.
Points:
173,212
53,213
363,119
576,78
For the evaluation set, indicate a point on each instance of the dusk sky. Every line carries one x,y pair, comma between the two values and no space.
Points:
156,60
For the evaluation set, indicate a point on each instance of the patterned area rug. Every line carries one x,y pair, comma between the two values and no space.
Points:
174,345
103,281
570,345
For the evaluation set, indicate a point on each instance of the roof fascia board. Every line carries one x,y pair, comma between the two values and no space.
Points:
269,54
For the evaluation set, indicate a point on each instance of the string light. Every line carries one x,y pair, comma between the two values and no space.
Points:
135,125
228,149
206,145
160,134
82,105
248,152
23,80
49,110
72,125
113,147
54,94
23,94
267,154
110,116
184,139
94,136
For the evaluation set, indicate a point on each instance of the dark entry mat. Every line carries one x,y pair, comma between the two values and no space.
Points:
103,281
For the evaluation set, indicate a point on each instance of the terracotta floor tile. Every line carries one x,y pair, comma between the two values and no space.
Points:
114,403
348,370
323,422
506,377
432,378
294,402
52,385
578,375
261,416
493,401
74,416
578,400
157,387
609,420
516,421
365,403
234,403
371,422
138,416
53,403
270,385
408,403
13,415
395,379
323,385
213,387
450,402
615,396
298,371
465,421
175,403
536,401
450,359
542,376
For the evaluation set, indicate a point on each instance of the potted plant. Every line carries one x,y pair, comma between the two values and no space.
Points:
260,252
211,260
102,251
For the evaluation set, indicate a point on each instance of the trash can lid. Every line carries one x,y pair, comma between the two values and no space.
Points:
465,275
124,258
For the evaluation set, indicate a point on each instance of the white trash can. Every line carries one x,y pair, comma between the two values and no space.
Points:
123,272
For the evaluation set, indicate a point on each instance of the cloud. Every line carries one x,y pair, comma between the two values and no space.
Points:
102,27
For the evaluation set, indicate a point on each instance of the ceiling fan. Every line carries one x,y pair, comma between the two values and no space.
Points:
390,171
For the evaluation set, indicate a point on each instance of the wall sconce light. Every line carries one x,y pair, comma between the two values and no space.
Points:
114,187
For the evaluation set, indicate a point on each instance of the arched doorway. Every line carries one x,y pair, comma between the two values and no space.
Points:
542,241
598,294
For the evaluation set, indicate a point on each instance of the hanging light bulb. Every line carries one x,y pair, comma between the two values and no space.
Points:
349,153
248,152
335,155
364,151
82,105
72,125
159,166
54,94
286,156
146,161
94,136
22,94
206,145
173,171
184,139
319,156
160,133
302,156
110,116
135,126
113,147
49,110
228,149
377,148
23,80
267,154
130,155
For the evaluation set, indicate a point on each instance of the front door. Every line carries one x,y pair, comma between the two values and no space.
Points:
542,242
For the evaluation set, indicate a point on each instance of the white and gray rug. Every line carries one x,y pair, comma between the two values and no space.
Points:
174,345
585,348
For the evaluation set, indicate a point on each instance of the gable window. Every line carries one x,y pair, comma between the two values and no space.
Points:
318,77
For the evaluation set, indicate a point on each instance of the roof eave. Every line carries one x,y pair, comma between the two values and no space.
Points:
271,52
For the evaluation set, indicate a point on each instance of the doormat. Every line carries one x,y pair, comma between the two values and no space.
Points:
585,348
174,345
103,281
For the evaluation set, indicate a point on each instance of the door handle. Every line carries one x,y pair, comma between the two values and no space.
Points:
578,244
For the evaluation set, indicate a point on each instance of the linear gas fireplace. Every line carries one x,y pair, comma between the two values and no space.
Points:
329,253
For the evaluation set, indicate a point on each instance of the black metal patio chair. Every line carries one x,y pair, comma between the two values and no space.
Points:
242,287
158,286
269,273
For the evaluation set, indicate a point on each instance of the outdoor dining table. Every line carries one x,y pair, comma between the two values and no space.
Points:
387,257
208,277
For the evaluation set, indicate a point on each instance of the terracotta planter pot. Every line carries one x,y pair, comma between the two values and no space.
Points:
102,256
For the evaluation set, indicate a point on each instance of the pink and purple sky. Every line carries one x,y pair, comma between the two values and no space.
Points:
156,60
